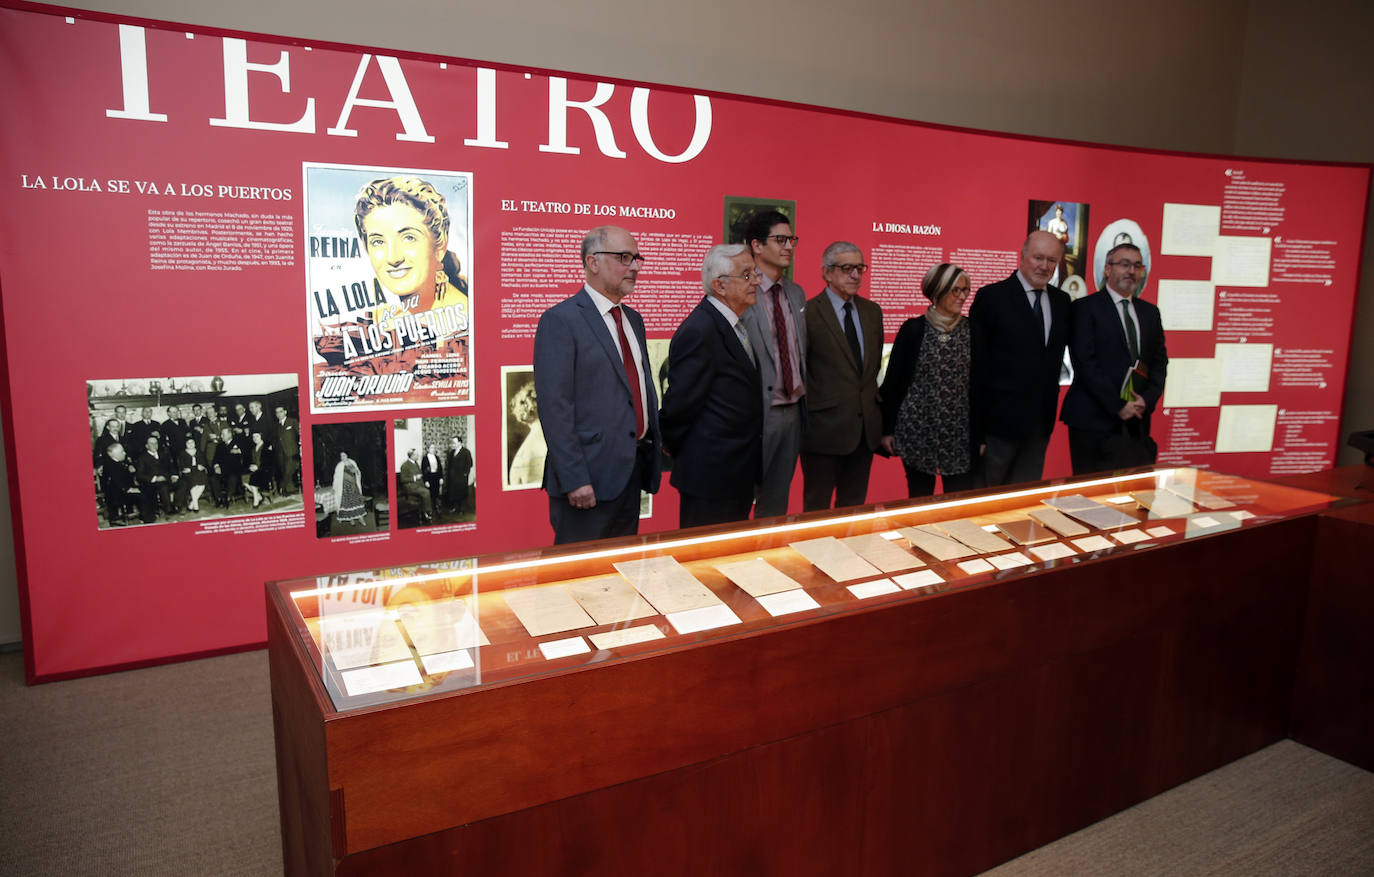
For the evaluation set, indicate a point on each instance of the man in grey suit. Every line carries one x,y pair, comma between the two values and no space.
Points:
844,425
778,337
599,414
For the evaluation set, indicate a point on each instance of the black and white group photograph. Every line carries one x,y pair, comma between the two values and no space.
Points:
174,449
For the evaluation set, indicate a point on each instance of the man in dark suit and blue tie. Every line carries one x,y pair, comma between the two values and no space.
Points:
599,415
1025,324
712,419
1114,333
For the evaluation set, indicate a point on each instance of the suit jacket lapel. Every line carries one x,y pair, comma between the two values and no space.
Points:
832,323
731,340
597,324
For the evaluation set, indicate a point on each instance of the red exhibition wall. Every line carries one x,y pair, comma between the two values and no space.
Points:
179,230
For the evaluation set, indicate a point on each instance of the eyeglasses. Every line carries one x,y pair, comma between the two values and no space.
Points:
784,239
623,257
1122,263
747,276
856,270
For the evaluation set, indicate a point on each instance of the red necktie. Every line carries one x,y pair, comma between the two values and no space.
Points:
784,353
631,373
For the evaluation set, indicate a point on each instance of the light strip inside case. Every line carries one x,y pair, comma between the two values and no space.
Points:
1159,475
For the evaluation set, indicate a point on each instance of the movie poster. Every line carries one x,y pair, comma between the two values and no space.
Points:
388,256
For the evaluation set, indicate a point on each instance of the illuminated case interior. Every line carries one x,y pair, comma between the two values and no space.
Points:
389,635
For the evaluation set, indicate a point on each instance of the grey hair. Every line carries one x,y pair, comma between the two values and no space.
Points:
835,249
593,241
717,262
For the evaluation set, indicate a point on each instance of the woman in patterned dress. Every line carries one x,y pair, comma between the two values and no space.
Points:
926,395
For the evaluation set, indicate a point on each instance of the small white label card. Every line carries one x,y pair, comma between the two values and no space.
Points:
1158,532
975,566
874,589
1204,521
1242,515
446,662
381,678
562,648
1092,543
1120,499
787,602
705,618
1129,537
924,578
1010,561
757,577
667,584
835,559
627,637
1052,551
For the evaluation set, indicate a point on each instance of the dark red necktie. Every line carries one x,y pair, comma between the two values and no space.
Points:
784,353
631,373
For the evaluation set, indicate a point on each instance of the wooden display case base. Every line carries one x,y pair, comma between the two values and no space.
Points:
939,735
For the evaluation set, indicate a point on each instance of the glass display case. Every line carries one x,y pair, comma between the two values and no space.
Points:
391,635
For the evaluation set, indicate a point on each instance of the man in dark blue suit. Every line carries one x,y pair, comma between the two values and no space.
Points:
712,419
1114,333
599,415
1025,324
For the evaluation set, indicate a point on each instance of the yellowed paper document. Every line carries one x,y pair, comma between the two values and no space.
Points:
547,609
610,599
757,577
1193,383
835,559
1189,229
1246,428
880,551
667,585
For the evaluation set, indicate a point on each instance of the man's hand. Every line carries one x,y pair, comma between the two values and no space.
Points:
583,497
1133,409
889,444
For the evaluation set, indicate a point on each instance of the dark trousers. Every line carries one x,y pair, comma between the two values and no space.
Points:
703,511
607,519
1014,461
923,483
1086,447
843,477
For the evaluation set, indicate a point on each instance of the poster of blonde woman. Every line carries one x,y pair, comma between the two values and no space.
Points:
388,254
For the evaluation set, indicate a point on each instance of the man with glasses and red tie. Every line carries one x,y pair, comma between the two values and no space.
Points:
844,349
1025,324
599,414
778,335
1119,365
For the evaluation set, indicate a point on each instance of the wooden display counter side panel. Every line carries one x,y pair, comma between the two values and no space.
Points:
1333,700
975,725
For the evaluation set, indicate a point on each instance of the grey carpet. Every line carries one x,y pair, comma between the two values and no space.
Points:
170,771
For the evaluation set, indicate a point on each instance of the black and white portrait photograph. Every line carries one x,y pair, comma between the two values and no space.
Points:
351,496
